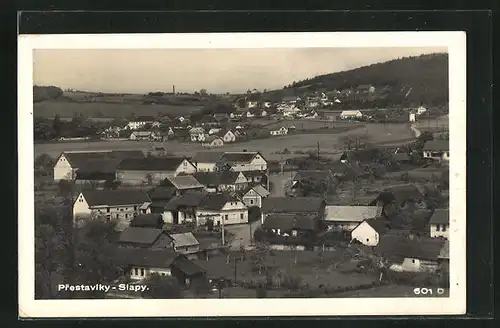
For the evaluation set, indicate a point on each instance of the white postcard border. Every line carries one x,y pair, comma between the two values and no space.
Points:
455,304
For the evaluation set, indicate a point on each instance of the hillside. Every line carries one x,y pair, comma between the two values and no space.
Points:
421,79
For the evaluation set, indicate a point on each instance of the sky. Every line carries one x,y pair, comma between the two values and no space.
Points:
216,70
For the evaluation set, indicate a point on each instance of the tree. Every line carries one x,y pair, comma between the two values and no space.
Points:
161,287
43,129
44,165
57,126
203,92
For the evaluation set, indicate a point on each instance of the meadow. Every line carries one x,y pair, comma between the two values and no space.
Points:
49,109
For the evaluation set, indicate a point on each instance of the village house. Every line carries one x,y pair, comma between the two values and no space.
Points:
251,113
243,161
151,220
410,253
228,136
222,180
185,243
437,150
222,209
351,114
96,172
69,162
161,193
209,121
213,142
421,110
179,209
121,205
183,183
346,218
213,131
152,170
330,114
440,223
267,104
280,132
140,122
369,231
289,111
206,161
285,225
254,195
252,104
143,135
305,206
255,177
197,134
140,263
263,113
143,237
412,116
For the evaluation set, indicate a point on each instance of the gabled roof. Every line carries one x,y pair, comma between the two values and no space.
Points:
405,247
289,222
188,267
242,157
151,220
292,204
161,193
211,138
351,112
142,133
440,216
379,225
207,157
255,173
217,178
350,213
184,239
115,197
139,235
98,166
438,145
79,159
189,199
260,190
145,257
151,163
216,201
183,182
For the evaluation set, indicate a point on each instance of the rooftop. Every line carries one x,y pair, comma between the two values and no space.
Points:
207,157
79,159
440,216
350,213
144,257
115,197
182,182
151,163
437,145
215,201
184,239
139,235
289,222
292,204
405,247
152,220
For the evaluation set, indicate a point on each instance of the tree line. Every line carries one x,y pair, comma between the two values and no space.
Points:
41,93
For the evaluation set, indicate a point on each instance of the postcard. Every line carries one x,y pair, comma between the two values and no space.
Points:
242,174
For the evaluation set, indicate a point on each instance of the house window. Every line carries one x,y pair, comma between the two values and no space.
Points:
136,271
121,209
80,200
367,239
142,272
251,201
438,227
107,210
117,216
226,217
241,216
126,216
443,228
412,261
135,208
163,273
187,249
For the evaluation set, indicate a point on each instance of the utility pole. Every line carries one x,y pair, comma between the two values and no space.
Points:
223,241
267,178
318,151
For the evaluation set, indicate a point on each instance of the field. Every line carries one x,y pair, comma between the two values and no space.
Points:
329,143
49,109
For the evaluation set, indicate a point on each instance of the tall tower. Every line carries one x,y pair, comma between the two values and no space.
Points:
173,89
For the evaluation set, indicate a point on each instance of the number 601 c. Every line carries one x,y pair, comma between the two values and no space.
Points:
428,291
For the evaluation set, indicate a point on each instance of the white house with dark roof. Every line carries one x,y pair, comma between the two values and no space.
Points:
254,195
228,136
144,237
351,114
346,218
439,223
121,205
244,161
180,209
369,231
438,150
140,122
207,161
222,180
223,209
152,170
213,141
183,183
69,162
140,263
185,243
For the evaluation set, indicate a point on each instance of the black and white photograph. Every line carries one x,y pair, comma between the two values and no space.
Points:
316,172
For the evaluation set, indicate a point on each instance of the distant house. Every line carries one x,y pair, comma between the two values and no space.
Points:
346,218
152,170
291,225
250,114
140,122
266,104
412,116
244,161
143,237
331,115
254,195
222,180
213,131
369,231
206,161
351,114
96,172
213,142
411,253
68,163
438,150
185,243
143,135
280,132
151,220
263,113
255,177
289,100
301,206
141,263
180,209
121,205
183,183
222,209
421,110
197,134
440,223
252,104
229,137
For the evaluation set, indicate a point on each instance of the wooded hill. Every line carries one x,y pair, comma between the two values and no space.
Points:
425,75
